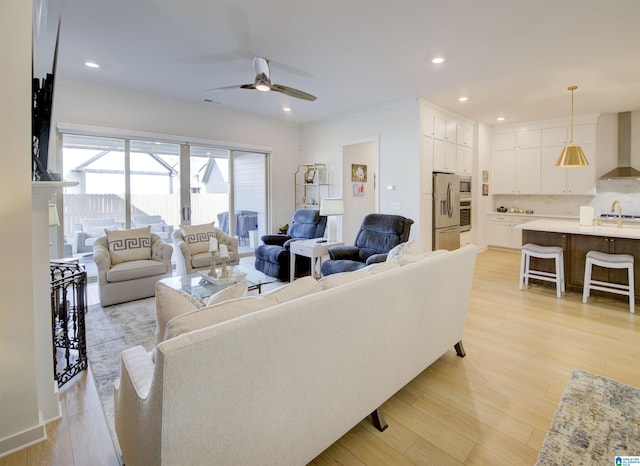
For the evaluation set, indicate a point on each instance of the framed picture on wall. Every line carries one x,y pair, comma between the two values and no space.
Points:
358,173
358,189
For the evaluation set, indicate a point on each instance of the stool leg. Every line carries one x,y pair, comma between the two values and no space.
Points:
586,291
562,271
522,268
557,261
527,266
632,292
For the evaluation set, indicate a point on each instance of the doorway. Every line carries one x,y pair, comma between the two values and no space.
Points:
359,169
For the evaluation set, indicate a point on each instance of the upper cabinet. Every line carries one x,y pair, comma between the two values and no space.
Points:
516,162
524,160
579,180
452,142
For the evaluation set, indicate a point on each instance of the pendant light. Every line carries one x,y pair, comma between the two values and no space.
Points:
572,155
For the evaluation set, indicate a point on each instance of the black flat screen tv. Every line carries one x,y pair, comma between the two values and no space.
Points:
41,125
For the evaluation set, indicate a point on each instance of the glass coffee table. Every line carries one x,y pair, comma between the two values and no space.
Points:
199,287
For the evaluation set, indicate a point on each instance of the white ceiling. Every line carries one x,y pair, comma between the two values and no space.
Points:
512,58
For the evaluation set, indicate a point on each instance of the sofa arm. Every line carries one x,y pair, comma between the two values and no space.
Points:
160,251
375,258
101,257
345,252
275,240
137,409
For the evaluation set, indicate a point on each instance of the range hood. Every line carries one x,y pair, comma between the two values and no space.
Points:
624,169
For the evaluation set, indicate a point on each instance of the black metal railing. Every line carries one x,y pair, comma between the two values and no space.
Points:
68,306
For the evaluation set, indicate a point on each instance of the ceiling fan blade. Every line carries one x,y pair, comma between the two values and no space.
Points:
237,86
290,91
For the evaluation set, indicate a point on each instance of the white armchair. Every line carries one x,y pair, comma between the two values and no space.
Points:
130,279
192,256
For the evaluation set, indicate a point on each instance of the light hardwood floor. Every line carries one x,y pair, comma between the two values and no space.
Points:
491,407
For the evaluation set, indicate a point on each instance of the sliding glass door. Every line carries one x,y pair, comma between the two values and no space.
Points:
128,183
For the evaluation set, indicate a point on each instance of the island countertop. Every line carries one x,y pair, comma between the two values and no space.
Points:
573,227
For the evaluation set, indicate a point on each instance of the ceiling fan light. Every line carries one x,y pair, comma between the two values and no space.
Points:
263,87
572,156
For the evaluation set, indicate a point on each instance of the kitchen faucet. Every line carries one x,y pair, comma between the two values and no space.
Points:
613,209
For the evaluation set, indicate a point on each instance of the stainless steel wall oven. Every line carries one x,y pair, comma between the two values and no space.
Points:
465,214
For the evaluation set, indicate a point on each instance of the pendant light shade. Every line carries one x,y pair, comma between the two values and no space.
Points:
572,155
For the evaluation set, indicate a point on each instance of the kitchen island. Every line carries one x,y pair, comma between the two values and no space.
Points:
577,240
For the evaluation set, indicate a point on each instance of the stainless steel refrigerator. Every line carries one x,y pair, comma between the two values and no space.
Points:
446,211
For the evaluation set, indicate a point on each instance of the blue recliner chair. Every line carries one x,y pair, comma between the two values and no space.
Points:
378,234
273,257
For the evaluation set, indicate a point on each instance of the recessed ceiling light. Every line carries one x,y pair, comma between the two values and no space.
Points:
286,109
463,98
500,118
438,60
91,64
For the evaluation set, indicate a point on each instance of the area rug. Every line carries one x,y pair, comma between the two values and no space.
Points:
597,421
110,331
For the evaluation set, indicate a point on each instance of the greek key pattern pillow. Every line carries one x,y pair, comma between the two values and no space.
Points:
129,245
197,237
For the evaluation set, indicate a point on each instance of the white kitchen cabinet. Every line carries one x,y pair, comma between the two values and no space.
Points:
444,156
464,136
575,180
502,233
464,160
516,162
426,165
578,180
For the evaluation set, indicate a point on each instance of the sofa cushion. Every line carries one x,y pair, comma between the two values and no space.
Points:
407,248
340,278
129,245
302,287
197,237
239,290
378,267
230,309
171,303
131,270
210,315
201,260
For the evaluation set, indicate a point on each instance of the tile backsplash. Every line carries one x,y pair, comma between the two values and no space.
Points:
625,191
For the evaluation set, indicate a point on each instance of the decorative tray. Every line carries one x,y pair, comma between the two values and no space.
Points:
235,277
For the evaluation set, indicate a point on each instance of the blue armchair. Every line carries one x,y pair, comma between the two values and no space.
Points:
272,257
378,234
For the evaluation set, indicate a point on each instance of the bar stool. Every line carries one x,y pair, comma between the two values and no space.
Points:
610,261
556,253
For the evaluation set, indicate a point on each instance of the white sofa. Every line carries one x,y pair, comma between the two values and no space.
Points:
278,386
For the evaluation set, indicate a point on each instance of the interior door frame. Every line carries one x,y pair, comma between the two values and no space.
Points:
350,222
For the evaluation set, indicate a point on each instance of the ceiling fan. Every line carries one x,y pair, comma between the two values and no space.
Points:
263,83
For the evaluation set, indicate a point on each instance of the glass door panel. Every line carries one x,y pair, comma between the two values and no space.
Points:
209,186
98,201
154,169
249,198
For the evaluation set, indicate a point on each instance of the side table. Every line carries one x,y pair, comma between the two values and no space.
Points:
315,249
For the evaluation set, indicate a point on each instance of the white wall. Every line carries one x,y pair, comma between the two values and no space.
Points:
19,421
103,107
397,128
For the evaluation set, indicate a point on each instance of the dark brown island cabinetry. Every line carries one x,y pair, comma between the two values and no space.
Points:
576,247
